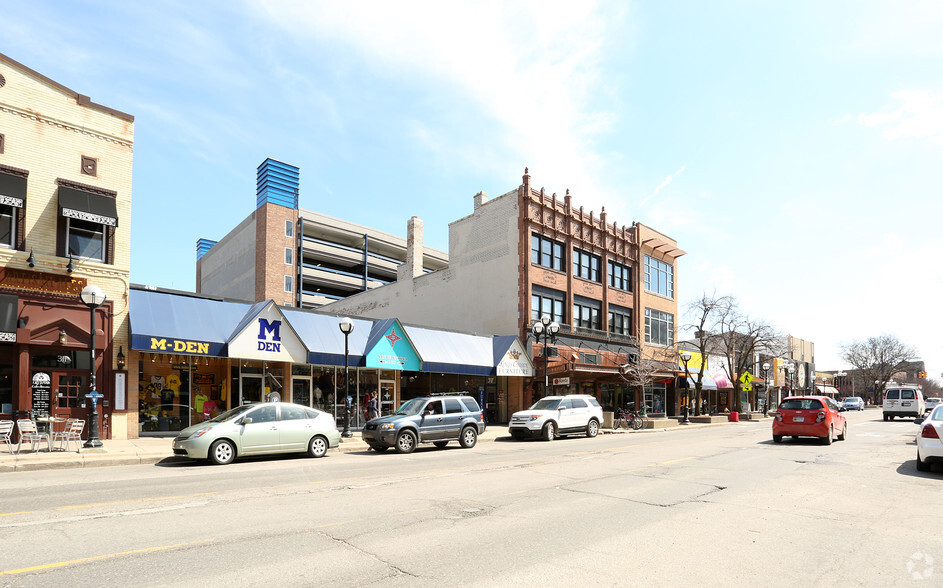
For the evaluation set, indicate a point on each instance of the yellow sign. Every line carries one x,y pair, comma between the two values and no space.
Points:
746,379
746,388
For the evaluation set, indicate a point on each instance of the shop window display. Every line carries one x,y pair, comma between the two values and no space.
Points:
175,393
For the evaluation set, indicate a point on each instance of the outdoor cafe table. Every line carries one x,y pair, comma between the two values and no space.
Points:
50,422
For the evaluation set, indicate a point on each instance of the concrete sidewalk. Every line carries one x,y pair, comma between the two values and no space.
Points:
149,450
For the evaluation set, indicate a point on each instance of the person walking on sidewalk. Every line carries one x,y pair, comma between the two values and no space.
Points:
372,408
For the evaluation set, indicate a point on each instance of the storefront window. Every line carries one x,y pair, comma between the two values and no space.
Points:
322,391
175,392
655,397
6,388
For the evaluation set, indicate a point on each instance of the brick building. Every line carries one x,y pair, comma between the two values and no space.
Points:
65,217
611,288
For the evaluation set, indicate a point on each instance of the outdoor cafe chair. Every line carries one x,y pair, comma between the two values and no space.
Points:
72,432
6,431
30,434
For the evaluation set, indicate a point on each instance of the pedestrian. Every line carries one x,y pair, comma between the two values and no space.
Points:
372,407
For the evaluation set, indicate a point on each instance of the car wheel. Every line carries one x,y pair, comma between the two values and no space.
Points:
406,442
469,437
777,438
827,439
317,447
222,452
592,429
844,431
441,444
549,432
922,466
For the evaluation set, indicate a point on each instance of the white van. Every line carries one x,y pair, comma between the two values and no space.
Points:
903,401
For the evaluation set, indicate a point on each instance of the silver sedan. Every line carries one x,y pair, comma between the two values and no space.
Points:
259,429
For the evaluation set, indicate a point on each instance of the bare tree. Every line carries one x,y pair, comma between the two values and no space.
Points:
877,359
646,369
704,314
740,337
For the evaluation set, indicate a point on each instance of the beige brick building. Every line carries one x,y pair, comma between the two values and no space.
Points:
65,222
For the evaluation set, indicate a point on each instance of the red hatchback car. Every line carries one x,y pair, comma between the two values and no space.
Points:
810,416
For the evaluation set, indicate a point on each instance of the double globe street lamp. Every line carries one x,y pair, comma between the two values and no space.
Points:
347,327
548,330
93,297
766,388
685,358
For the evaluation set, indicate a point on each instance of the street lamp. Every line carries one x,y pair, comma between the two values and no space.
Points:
686,357
93,297
765,367
548,330
839,374
790,372
347,327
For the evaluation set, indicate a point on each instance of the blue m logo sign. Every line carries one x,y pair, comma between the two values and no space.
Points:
269,327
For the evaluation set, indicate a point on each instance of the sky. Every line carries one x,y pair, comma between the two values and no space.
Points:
793,149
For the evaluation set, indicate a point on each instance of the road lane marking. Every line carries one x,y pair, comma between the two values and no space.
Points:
130,501
70,562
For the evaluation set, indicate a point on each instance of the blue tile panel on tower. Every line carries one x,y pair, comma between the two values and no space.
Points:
202,246
277,183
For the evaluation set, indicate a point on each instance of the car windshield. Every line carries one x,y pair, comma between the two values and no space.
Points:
800,404
232,413
937,414
546,404
411,407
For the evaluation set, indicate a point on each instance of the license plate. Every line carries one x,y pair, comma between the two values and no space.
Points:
905,403
798,419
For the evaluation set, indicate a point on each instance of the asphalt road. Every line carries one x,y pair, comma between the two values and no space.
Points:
715,506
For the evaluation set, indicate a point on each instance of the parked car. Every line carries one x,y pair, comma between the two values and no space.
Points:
259,429
903,401
931,404
929,443
853,403
434,419
810,416
553,416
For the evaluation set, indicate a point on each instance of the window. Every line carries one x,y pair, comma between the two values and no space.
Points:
585,265
86,239
289,255
7,226
289,228
659,277
546,301
586,314
591,358
546,252
453,406
288,284
292,413
470,405
620,276
620,320
659,327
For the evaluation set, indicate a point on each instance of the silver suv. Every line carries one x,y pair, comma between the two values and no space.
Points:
435,419
553,416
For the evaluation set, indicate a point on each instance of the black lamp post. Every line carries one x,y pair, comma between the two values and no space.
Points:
790,372
347,327
93,297
686,357
546,329
766,386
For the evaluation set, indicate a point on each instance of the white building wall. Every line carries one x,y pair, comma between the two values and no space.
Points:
228,268
476,293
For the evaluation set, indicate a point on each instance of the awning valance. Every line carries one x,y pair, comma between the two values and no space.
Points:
8,312
168,323
87,206
827,390
12,190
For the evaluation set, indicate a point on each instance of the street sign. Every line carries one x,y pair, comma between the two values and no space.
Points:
561,381
746,379
746,388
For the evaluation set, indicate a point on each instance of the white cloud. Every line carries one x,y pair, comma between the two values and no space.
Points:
664,183
919,116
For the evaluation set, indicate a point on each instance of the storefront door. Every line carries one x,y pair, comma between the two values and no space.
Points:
387,397
301,390
250,389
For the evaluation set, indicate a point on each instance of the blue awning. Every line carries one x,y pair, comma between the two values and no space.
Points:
706,384
322,335
162,322
453,353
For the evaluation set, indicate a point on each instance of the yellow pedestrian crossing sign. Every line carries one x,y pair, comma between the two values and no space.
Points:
746,380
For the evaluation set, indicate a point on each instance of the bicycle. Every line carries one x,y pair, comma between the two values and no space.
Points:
627,418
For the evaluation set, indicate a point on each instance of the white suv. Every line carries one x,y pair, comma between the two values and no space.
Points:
553,416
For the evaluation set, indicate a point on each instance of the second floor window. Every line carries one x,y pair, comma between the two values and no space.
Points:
620,320
659,327
586,314
86,239
659,277
620,276
7,226
545,301
546,252
585,265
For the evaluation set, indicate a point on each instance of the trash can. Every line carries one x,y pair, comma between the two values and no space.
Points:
734,417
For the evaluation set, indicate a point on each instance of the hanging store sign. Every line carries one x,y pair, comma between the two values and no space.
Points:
394,351
268,336
41,282
515,362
